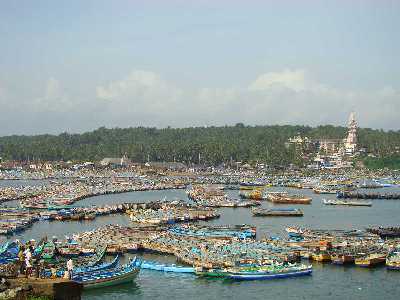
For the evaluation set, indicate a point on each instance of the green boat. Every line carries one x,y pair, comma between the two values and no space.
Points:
216,273
4,248
48,250
105,278
58,207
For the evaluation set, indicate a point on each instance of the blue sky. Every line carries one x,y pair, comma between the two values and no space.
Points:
77,65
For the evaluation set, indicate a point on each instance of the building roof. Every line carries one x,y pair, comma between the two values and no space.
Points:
114,161
167,165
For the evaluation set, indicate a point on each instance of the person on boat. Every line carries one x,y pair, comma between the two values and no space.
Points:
70,268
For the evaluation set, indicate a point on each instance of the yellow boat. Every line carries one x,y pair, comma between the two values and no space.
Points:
370,260
321,257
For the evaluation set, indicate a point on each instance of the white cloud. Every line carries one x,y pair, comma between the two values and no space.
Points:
286,97
144,98
52,89
53,99
293,80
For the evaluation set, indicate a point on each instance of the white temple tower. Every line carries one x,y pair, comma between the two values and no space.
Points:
350,143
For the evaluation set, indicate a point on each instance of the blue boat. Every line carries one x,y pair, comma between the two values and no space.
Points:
267,275
88,269
109,277
155,266
9,253
98,267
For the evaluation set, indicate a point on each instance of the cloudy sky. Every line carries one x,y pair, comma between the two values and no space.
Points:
78,65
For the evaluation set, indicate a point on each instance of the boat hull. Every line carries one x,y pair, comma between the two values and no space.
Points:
267,276
126,278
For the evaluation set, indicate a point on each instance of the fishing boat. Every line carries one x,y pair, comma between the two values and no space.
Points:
255,194
319,190
215,273
385,232
49,249
98,267
4,248
10,253
274,272
69,251
285,198
393,260
321,256
151,265
277,212
370,260
345,203
342,258
109,277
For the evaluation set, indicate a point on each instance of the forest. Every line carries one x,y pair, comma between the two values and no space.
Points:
206,145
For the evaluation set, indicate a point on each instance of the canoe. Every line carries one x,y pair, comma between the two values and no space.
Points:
104,278
278,212
150,265
99,267
269,275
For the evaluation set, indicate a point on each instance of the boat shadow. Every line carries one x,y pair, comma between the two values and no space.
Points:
109,292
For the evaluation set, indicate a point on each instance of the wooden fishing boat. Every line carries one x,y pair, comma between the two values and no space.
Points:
277,212
150,265
285,273
69,251
98,267
251,194
342,258
4,248
78,271
105,278
321,256
288,199
393,260
346,203
370,260
10,253
48,250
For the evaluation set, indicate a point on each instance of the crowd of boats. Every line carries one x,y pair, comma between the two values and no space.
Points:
230,252
364,248
59,194
215,196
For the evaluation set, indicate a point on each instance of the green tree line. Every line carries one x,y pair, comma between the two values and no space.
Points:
212,145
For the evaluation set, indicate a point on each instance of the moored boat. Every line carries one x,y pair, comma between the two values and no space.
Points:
278,212
342,258
322,256
370,260
393,261
104,278
345,203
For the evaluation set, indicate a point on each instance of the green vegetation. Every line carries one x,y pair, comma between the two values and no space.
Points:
214,144
390,162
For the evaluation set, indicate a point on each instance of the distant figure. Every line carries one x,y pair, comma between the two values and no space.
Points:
70,268
21,260
28,263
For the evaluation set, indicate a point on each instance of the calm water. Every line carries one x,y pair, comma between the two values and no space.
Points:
327,282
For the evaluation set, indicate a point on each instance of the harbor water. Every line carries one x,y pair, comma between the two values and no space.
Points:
327,282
